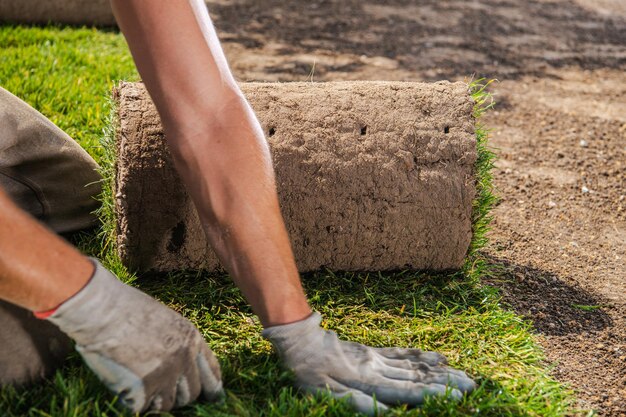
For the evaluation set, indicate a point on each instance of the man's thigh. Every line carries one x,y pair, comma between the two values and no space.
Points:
43,170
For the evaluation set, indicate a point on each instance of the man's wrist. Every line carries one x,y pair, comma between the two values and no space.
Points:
288,316
45,313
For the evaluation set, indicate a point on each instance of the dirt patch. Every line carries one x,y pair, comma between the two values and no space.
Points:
560,231
370,176
562,222
430,41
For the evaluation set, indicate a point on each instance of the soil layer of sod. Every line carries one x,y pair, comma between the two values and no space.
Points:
370,176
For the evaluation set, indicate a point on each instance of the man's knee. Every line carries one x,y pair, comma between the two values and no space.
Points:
30,349
43,170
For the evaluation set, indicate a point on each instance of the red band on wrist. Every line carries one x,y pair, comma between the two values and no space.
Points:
45,314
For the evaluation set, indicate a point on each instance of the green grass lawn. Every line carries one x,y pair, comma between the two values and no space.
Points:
67,74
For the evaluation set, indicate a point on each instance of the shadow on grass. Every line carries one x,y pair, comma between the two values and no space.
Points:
407,293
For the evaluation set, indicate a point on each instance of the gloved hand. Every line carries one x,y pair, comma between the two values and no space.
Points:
322,362
148,354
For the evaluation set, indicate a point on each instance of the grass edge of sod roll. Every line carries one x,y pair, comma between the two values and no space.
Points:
451,313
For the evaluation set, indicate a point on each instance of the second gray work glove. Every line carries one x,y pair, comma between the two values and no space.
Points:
321,362
143,351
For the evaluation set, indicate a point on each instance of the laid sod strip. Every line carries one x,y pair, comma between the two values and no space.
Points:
371,175
67,74
452,313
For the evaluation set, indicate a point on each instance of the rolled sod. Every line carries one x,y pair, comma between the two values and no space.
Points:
73,12
371,176
76,12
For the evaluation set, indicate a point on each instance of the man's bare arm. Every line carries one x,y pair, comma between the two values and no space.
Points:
38,270
218,148
124,336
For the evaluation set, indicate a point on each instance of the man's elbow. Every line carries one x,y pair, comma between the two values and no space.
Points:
206,116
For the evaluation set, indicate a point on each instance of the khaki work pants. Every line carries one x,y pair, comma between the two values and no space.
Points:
50,176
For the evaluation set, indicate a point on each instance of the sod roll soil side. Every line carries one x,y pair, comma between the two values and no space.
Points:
370,176
76,12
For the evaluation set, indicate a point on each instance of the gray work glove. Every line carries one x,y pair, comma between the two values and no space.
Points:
321,362
146,353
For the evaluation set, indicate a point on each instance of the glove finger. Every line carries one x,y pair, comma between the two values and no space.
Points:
189,387
178,395
413,355
155,403
456,377
432,375
392,391
119,379
210,375
405,364
452,377
361,402
164,400
183,392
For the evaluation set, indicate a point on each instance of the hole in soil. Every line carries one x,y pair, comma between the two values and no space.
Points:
272,131
446,129
363,130
178,237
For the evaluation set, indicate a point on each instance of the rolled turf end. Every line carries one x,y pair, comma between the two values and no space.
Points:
370,176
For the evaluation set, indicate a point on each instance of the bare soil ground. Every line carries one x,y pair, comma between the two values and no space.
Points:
559,232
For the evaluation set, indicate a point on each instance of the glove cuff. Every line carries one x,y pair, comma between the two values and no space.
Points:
294,329
44,314
293,339
94,303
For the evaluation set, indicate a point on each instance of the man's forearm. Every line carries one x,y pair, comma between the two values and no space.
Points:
228,172
38,270
219,150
